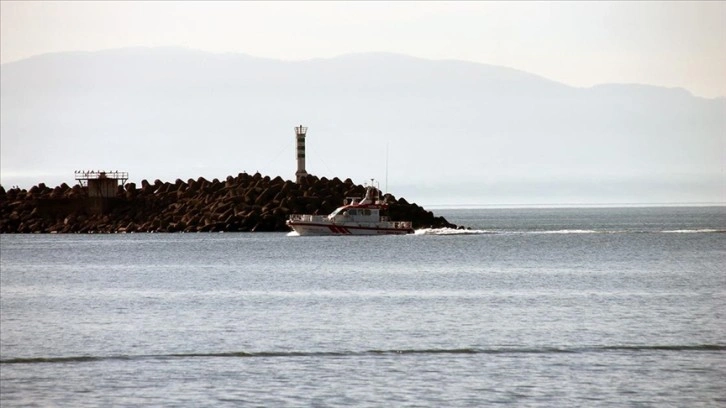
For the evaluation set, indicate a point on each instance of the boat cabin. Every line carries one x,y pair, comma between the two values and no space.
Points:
353,213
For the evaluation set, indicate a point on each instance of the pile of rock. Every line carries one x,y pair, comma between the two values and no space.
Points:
242,203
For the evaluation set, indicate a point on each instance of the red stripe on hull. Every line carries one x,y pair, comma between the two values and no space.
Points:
320,229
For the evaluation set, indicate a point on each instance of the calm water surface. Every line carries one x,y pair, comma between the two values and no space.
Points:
532,307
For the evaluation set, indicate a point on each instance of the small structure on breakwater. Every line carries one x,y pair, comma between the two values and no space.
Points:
101,183
101,188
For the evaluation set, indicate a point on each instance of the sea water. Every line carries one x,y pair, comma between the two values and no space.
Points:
529,307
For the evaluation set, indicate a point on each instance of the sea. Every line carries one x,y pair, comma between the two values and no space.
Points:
528,307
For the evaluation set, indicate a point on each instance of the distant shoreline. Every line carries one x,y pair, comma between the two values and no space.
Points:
564,205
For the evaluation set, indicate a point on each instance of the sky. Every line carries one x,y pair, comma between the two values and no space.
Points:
672,44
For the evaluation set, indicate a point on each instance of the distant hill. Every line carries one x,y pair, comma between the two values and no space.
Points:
454,130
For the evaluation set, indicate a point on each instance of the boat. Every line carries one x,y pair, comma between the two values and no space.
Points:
354,217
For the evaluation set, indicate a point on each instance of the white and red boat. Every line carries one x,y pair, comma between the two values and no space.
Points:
355,217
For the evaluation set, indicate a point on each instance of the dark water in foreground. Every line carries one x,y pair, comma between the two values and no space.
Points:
534,307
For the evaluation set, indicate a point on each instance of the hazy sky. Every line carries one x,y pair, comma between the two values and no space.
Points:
674,44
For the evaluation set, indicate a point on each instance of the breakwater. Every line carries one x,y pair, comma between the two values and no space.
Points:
245,203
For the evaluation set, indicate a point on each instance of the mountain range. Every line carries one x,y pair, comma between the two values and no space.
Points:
437,131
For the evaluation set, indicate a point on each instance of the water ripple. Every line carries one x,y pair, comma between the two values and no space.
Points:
272,354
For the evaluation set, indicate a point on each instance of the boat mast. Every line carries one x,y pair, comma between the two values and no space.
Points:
386,185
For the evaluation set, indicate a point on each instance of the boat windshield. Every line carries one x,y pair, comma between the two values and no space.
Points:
336,212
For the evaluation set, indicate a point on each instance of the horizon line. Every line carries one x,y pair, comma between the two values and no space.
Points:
568,205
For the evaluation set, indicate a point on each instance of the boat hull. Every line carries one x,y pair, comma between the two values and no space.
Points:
341,229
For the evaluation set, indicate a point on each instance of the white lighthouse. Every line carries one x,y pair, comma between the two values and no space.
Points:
300,137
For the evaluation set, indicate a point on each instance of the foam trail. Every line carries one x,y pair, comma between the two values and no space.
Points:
451,231
695,231
574,231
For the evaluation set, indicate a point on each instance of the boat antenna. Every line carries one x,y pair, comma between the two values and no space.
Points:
386,186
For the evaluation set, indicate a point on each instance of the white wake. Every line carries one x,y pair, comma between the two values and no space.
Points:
451,231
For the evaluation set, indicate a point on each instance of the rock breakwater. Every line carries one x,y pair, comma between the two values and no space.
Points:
245,203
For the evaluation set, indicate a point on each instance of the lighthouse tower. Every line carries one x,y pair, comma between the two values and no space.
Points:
300,136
